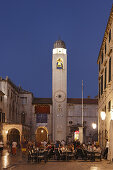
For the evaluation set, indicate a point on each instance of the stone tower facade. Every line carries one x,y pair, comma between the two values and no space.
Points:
59,90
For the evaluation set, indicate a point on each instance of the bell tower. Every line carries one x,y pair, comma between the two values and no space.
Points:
59,90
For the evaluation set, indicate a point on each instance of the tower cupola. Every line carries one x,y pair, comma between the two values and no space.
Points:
59,44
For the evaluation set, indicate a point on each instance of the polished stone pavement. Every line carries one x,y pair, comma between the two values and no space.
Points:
10,162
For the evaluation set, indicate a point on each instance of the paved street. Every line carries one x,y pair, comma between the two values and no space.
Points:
9,162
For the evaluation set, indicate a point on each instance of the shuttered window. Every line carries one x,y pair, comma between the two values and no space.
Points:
110,69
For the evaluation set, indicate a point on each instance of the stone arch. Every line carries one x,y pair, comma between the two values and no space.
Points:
41,134
13,134
7,128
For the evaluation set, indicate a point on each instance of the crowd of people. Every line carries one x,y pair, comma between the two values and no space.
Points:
58,146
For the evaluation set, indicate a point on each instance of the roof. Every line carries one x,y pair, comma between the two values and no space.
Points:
106,32
59,44
69,100
42,101
18,89
79,101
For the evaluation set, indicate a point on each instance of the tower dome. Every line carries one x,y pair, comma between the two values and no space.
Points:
59,44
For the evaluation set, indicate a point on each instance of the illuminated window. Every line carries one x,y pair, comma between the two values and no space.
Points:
59,64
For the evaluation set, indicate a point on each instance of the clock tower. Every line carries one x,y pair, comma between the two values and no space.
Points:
59,90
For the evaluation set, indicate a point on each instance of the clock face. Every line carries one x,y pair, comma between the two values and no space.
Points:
60,96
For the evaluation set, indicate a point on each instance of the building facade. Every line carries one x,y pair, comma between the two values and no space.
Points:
105,84
59,90
15,112
24,117
64,118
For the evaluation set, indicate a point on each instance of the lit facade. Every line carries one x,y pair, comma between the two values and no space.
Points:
58,118
15,111
105,84
65,116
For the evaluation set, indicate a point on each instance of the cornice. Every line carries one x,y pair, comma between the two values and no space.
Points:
106,32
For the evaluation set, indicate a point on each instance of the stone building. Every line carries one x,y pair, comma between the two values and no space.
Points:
15,112
105,93
60,118
43,110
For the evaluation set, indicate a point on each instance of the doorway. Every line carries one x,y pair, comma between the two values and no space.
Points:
13,135
41,134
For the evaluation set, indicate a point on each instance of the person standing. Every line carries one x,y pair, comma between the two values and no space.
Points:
106,149
1,146
14,144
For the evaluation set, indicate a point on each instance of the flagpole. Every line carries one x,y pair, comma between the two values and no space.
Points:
82,103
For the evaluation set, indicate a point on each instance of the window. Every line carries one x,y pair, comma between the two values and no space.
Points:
24,100
2,117
99,65
101,84
23,118
1,98
99,90
105,109
110,69
41,118
109,106
105,48
102,56
105,79
109,35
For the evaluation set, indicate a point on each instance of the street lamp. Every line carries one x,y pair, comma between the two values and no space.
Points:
42,131
103,115
6,132
94,125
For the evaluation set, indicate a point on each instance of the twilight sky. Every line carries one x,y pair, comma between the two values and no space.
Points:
28,30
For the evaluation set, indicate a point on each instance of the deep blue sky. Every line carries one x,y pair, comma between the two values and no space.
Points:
28,30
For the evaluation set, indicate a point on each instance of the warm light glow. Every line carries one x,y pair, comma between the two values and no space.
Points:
111,114
76,135
94,168
94,125
42,131
103,115
5,160
6,131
